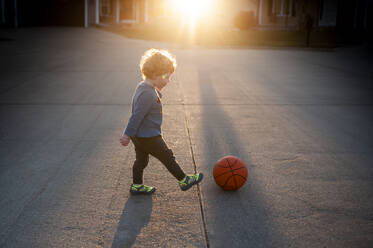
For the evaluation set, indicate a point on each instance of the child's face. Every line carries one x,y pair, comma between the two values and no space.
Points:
162,81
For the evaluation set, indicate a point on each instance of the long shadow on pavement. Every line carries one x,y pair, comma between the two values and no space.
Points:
233,219
136,215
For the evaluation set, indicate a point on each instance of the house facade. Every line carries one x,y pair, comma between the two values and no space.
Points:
342,15
25,13
269,14
338,14
124,11
148,11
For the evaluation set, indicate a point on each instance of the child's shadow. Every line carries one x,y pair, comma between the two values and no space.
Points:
136,215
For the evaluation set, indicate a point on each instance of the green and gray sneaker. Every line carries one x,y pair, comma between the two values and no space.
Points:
137,189
190,180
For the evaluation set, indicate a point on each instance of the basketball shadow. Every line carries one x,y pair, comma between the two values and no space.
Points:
238,218
136,215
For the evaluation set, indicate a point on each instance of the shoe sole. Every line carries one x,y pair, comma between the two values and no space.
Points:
142,192
191,185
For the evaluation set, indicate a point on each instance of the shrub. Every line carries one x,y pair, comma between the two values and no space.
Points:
244,20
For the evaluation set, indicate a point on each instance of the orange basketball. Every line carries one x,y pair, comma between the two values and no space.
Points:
230,173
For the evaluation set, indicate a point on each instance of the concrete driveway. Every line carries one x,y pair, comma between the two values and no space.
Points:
302,120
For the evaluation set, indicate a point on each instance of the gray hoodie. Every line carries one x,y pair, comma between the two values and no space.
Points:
146,118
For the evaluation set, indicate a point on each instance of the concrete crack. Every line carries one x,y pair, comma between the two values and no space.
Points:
198,187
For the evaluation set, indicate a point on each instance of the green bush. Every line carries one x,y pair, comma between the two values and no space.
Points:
244,20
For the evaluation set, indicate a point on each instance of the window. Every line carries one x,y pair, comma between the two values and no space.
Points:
281,7
277,7
105,7
270,7
286,7
127,8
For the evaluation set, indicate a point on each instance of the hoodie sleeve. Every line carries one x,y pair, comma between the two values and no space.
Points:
141,107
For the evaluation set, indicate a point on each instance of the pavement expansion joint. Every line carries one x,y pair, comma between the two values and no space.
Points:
198,187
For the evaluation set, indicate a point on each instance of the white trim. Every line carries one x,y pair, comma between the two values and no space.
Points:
97,12
146,12
117,12
134,10
86,13
260,12
329,15
137,6
127,21
282,8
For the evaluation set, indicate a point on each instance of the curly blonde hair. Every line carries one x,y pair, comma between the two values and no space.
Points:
157,62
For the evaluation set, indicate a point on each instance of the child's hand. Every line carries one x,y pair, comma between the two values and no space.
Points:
125,140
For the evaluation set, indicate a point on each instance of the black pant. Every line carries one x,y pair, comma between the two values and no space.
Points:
156,147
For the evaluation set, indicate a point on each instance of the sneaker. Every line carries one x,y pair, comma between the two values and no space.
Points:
190,180
137,189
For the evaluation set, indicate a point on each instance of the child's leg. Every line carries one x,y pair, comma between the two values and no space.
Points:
142,159
158,148
139,165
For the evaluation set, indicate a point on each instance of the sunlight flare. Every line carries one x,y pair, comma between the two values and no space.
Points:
192,9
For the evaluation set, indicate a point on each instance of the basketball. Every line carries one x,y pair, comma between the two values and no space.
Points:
230,173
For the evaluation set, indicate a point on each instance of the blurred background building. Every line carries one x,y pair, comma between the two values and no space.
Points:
355,16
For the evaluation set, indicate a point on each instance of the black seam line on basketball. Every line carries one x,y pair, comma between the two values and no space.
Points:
229,171
226,181
235,162
229,164
195,171
221,166
240,176
234,179
223,174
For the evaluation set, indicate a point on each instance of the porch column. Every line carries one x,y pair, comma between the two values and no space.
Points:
86,13
260,12
134,10
137,7
117,12
146,17
97,11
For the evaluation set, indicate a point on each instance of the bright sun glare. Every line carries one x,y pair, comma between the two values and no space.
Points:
192,8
